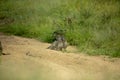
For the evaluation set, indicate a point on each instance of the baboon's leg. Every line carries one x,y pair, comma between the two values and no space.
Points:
54,45
65,44
60,45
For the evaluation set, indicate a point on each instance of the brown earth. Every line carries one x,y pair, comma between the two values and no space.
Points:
30,60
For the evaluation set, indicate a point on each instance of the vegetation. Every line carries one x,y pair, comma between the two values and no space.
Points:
92,25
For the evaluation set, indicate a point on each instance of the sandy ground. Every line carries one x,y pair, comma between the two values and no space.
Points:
30,59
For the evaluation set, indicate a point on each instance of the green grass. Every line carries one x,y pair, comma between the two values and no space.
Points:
94,25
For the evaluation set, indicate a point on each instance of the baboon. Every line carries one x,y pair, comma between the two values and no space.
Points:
60,43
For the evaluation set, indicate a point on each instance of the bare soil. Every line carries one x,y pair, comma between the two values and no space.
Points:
30,59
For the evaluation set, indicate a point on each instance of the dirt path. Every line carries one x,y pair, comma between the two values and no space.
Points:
30,60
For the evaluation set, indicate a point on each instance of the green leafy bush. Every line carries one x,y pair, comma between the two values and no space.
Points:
92,25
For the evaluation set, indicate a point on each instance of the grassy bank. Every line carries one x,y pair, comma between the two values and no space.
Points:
92,25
